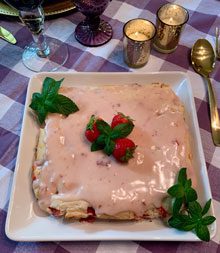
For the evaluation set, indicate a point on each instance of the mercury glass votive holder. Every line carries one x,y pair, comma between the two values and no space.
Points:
138,34
171,19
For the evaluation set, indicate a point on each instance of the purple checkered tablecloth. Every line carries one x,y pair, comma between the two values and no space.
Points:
14,77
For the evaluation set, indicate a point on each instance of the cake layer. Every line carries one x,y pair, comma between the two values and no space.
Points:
68,177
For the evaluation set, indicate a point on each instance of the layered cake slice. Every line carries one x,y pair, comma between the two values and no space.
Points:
71,181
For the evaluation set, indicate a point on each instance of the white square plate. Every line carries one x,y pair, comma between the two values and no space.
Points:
24,220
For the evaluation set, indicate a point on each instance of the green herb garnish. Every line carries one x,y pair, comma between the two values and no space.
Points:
49,101
107,135
187,213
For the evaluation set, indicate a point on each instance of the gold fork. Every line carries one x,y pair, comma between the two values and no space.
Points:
217,50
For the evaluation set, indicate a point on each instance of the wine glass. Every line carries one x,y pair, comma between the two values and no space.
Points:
44,53
92,31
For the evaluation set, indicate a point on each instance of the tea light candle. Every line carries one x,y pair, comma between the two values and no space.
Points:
138,34
170,22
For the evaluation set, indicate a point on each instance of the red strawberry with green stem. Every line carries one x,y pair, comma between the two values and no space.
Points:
120,118
92,132
124,149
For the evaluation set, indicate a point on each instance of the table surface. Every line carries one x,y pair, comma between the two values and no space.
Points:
14,78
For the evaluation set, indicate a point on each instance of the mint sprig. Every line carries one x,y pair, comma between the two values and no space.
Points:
107,135
182,191
49,101
121,130
187,213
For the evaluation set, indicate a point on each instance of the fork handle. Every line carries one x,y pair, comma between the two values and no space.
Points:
215,123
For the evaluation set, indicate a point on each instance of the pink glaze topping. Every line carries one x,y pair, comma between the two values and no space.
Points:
72,172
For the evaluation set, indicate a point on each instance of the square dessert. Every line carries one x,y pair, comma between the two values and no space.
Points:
71,181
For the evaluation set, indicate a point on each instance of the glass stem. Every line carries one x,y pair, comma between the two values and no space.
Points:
34,20
93,22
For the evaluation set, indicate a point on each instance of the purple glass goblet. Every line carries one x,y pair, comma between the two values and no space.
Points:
92,31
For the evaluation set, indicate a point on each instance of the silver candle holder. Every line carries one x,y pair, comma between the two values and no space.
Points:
138,34
171,19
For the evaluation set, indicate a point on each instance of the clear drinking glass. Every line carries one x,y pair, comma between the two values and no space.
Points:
44,53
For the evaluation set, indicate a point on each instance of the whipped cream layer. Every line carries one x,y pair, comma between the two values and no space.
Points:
72,172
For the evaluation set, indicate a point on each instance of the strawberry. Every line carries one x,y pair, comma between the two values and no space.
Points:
163,213
91,215
92,132
124,149
120,118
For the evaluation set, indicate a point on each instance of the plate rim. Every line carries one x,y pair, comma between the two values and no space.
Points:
198,140
14,13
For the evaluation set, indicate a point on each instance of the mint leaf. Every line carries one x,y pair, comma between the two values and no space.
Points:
175,222
206,207
176,191
50,87
188,183
122,130
208,220
190,195
36,100
37,105
103,127
195,209
64,105
177,205
50,106
99,143
101,140
189,226
109,147
182,222
202,232
95,146
182,176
